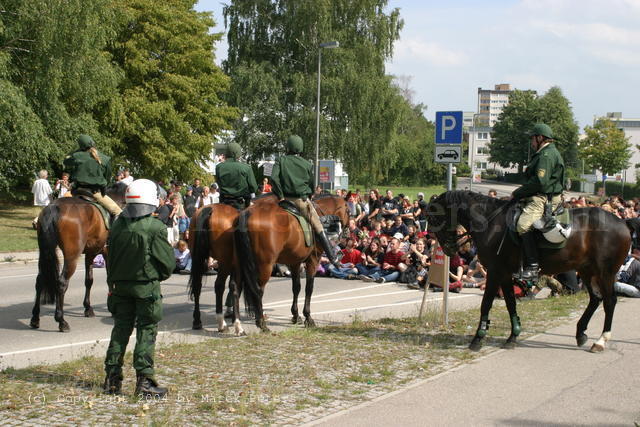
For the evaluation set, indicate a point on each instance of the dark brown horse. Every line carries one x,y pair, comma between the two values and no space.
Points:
266,234
597,246
77,227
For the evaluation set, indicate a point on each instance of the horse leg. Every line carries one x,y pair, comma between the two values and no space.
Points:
609,302
88,282
263,277
594,301
510,301
295,287
221,280
63,283
236,289
487,302
308,290
35,313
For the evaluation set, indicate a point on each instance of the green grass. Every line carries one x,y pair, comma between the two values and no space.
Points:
276,377
15,227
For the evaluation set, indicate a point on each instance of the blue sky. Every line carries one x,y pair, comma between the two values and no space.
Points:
589,48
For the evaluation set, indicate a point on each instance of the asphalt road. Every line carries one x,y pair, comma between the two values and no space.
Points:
334,301
546,381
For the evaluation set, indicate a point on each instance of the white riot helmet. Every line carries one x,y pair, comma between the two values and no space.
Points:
141,197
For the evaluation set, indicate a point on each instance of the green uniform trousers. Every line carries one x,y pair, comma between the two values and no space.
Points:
308,211
136,304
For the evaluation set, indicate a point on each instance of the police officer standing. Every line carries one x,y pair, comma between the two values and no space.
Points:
292,178
90,170
235,180
544,184
139,258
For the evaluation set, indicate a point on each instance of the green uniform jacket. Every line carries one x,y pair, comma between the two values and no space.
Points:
85,171
544,174
235,179
138,251
292,176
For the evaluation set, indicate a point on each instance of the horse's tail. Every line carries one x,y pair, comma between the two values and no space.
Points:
246,260
48,264
200,251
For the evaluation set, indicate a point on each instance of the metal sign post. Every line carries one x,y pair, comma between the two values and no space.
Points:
448,150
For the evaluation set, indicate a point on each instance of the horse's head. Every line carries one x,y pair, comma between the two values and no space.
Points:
334,206
441,214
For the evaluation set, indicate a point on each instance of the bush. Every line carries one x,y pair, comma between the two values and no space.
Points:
615,187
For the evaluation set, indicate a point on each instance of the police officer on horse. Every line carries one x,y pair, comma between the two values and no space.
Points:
292,178
544,184
139,258
90,171
235,180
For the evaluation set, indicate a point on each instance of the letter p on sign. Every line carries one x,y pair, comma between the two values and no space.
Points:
448,127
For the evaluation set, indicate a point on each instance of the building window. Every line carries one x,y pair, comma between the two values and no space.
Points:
483,135
481,166
482,150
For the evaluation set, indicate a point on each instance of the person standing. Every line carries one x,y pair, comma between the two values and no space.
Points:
42,191
292,178
90,170
139,258
63,187
235,180
544,184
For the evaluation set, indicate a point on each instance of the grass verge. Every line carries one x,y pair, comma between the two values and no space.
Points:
288,377
15,227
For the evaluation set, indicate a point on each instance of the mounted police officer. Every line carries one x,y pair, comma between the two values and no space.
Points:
292,178
90,171
235,180
544,184
139,258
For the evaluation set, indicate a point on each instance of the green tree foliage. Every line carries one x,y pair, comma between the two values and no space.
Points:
510,144
273,60
605,147
171,109
57,80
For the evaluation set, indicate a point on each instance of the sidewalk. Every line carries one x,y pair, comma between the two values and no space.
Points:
7,258
547,380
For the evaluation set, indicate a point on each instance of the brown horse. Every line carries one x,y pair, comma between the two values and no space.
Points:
77,227
597,246
266,234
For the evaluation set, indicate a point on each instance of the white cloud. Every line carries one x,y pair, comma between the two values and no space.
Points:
418,50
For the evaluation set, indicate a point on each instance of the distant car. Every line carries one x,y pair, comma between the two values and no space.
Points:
448,154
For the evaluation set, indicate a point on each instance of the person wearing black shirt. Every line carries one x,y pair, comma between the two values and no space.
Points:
190,202
375,207
389,206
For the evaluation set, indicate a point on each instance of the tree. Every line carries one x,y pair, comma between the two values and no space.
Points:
56,81
273,60
605,148
510,144
171,109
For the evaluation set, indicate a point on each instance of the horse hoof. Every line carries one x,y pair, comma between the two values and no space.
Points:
597,348
34,324
197,326
89,313
475,345
582,340
295,320
509,345
64,327
309,323
225,328
265,329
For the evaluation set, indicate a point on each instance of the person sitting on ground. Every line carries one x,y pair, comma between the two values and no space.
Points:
354,231
350,257
406,212
476,275
418,260
392,264
387,227
183,258
398,227
628,278
371,262
376,229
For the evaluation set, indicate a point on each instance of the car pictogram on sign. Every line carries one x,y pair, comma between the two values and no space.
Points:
448,154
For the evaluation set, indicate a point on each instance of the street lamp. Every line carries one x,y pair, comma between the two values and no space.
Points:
326,45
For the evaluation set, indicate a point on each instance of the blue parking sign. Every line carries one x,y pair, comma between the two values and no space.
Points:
448,127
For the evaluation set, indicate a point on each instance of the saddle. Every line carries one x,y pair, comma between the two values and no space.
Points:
304,224
87,196
561,216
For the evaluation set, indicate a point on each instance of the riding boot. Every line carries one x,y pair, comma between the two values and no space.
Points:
529,256
148,387
328,248
112,384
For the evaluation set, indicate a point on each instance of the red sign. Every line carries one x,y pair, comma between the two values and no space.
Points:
325,174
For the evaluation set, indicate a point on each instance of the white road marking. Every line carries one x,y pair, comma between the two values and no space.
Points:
315,299
328,294
29,275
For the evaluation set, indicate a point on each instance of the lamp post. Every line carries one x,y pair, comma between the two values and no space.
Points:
326,45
